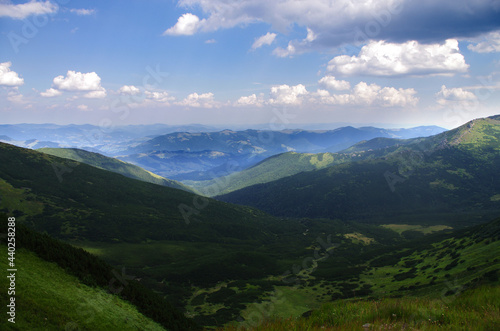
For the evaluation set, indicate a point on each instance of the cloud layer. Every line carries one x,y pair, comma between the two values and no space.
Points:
341,22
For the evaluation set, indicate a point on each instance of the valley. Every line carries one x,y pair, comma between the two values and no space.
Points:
295,235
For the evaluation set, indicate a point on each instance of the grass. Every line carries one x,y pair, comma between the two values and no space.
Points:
47,298
18,199
477,309
399,228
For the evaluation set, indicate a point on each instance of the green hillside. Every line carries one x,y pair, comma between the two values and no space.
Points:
49,298
58,286
114,165
277,167
448,281
176,242
450,174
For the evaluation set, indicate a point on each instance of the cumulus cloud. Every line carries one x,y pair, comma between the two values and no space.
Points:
331,83
129,90
266,39
95,94
364,94
23,10
351,21
161,97
77,81
455,96
287,95
188,24
9,77
380,58
83,12
51,92
251,100
487,43
83,107
205,100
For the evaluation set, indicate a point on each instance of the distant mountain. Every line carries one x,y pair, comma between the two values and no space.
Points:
114,165
175,155
101,139
447,174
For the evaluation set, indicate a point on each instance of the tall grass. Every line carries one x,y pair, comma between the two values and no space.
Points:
477,309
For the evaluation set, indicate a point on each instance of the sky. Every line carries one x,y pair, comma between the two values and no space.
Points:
280,64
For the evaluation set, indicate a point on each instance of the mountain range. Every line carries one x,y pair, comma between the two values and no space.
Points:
440,176
193,152
311,233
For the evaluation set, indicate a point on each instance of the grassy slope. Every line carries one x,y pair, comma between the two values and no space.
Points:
477,309
139,226
114,165
47,298
450,172
451,283
277,167
89,203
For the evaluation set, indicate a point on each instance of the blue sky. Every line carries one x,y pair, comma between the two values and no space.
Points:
279,64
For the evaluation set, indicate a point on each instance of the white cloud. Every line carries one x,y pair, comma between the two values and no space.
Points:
391,97
285,52
129,90
287,95
23,10
365,94
251,100
96,94
162,97
487,43
186,25
380,58
455,96
76,81
8,77
15,97
83,107
51,92
210,41
205,100
331,83
266,39
296,46
83,12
